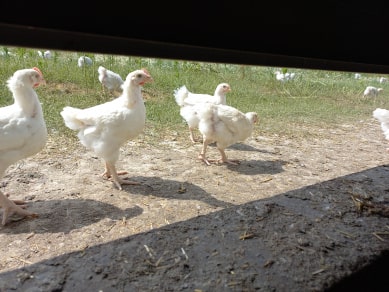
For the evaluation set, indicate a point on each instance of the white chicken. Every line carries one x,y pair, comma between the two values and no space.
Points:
382,115
46,54
284,76
110,80
23,131
372,91
104,128
84,61
224,125
186,100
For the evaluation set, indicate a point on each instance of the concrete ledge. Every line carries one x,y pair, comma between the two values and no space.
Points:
309,239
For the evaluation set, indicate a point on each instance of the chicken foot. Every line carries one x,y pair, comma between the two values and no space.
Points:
223,159
11,207
110,172
203,158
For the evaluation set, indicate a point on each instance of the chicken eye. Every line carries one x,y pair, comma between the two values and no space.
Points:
139,76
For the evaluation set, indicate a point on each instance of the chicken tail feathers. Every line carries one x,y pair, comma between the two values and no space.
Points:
69,115
180,94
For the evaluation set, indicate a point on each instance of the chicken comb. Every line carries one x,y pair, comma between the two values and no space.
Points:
37,70
145,70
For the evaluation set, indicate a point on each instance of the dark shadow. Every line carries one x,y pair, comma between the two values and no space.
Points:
76,213
246,147
172,189
307,239
373,277
243,147
254,167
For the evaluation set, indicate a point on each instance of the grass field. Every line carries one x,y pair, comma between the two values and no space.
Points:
314,97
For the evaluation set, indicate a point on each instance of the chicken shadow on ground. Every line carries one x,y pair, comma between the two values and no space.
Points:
254,167
171,189
243,147
246,147
66,215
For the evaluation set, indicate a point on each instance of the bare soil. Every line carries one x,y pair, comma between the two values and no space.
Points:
297,214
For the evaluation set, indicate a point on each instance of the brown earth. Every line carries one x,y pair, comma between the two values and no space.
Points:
297,214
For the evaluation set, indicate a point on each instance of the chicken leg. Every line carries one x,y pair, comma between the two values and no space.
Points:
110,172
13,207
223,159
191,135
203,151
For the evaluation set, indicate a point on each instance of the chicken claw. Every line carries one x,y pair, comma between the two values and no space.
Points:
11,207
223,159
229,161
111,173
203,158
219,161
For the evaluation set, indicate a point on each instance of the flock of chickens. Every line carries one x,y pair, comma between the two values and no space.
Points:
104,128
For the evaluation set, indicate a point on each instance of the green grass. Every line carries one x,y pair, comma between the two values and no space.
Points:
314,98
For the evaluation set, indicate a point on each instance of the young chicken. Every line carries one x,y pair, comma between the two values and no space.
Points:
110,80
372,91
46,54
186,100
84,61
23,131
224,125
104,128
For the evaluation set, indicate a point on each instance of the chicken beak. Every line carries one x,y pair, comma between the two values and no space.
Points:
148,80
42,82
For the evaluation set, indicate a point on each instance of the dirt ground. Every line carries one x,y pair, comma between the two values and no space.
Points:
295,215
